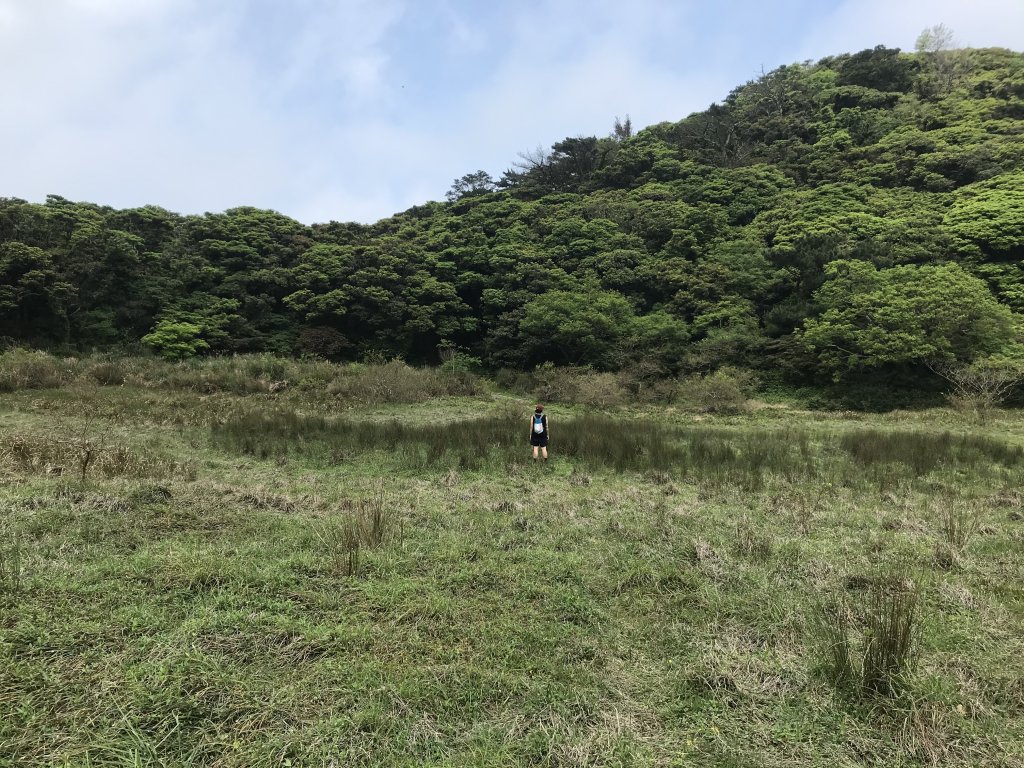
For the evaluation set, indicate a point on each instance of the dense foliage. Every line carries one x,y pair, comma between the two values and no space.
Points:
863,213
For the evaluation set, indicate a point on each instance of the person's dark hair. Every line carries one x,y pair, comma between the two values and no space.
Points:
539,408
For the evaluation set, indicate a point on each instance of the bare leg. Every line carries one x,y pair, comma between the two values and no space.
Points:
535,452
543,450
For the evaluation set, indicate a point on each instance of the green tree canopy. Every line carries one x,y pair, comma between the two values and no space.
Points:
577,328
908,314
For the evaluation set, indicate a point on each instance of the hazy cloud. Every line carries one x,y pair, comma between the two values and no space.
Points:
354,109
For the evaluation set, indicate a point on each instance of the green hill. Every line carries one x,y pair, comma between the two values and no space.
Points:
859,215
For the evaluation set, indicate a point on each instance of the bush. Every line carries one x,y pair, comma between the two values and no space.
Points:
455,360
520,382
551,384
323,342
579,385
724,391
176,340
982,385
647,382
397,382
22,369
601,390
108,373
241,375
238,374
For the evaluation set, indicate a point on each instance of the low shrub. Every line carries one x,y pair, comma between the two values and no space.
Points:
520,382
556,385
725,391
24,369
110,373
397,382
80,456
600,390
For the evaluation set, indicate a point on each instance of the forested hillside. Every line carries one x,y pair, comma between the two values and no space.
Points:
861,214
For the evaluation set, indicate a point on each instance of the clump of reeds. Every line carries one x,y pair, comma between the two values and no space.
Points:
367,524
923,451
871,643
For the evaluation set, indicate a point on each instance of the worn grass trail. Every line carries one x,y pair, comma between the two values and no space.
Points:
195,601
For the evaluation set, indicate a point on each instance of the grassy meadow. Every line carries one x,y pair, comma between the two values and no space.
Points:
201,565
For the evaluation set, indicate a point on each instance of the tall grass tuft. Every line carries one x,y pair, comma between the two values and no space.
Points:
892,629
715,456
10,563
835,627
752,542
340,542
957,523
376,519
870,645
366,524
283,432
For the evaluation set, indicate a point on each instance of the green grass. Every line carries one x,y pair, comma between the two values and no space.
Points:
284,579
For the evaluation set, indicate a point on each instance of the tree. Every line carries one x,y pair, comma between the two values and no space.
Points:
176,340
935,39
935,45
985,219
471,185
577,328
622,129
983,384
714,136
881,68
33,298
905,315
571,163
659,339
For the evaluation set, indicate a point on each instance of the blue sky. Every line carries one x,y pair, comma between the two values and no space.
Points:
356,109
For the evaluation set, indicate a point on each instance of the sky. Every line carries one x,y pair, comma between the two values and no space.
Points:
351,110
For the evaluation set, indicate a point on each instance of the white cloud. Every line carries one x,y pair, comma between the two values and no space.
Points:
339,42
197,106
176,112
462,33
573,67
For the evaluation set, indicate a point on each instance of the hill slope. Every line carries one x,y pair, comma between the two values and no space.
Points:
720,239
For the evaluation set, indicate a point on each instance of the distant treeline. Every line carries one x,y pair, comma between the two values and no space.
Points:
859,215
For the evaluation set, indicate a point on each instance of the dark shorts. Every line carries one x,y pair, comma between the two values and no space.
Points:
540,441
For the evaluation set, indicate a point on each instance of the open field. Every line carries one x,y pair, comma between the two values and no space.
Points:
306,578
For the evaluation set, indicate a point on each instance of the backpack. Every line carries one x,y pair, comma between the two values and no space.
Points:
538,423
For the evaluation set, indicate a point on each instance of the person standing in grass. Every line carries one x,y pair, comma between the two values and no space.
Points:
539,432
